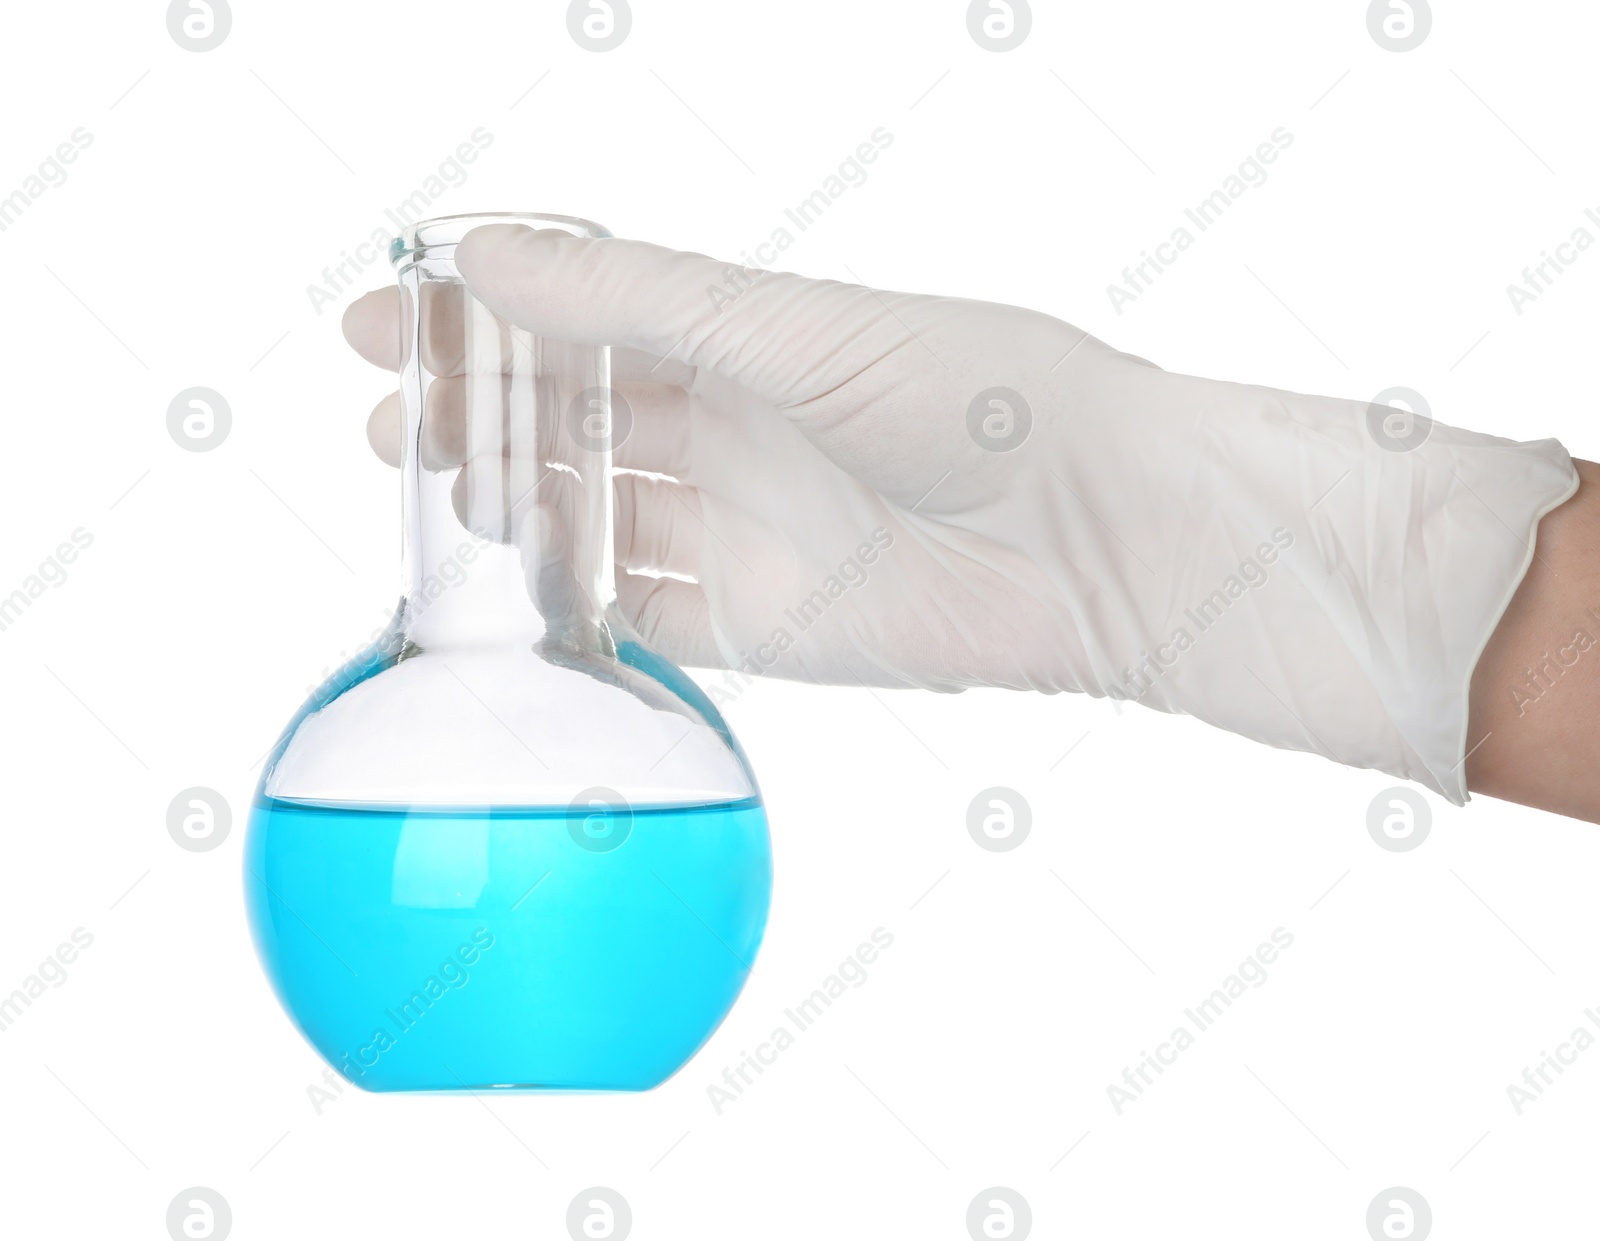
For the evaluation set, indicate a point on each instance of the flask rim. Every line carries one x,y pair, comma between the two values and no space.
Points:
437,237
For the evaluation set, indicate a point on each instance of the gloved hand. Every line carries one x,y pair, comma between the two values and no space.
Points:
891,489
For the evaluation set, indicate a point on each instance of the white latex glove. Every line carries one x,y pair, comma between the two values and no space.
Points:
856,506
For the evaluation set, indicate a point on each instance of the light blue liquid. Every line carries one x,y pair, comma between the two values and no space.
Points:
447,949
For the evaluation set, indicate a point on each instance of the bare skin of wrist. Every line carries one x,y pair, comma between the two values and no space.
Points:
1534,731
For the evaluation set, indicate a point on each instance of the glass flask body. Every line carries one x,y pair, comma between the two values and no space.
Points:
508,845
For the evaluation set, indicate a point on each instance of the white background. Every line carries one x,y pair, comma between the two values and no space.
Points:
223,584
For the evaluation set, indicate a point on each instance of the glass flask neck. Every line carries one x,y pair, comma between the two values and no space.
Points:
508,677
506,464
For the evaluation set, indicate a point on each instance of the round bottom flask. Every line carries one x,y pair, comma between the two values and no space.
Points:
508,845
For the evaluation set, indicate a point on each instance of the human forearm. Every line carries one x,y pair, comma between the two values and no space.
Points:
1534,733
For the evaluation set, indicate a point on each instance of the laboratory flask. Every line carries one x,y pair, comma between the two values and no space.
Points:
508,845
